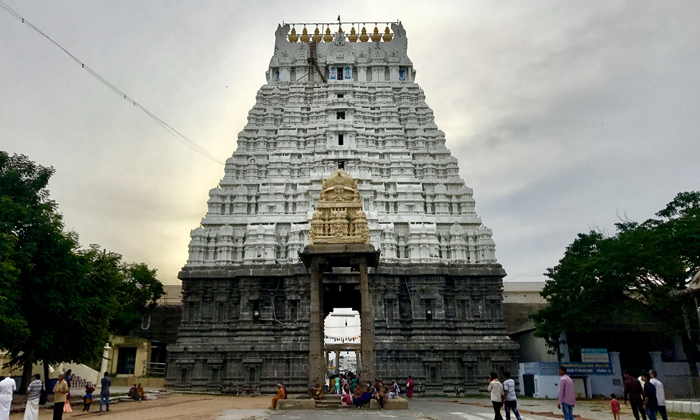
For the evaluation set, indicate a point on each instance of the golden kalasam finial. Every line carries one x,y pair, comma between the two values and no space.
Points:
375,36
353,35
339,218
293,36
317,35
363,35
328,37
387,35
304,35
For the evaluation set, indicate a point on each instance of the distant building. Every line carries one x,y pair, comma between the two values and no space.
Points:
629,340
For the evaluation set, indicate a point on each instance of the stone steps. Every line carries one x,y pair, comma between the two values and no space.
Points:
329,402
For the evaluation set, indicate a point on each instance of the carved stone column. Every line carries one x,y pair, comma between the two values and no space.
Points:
316,370
337,362
367,340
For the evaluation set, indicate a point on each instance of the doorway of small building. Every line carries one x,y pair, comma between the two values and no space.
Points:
581,387
126,360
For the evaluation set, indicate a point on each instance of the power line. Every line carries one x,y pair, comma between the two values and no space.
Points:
178,135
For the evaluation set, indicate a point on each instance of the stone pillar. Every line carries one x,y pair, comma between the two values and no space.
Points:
367,332
357,362
316,371
105,362
337,362
328,355
615,363
657,364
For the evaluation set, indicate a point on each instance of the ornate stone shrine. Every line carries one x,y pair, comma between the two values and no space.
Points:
340,102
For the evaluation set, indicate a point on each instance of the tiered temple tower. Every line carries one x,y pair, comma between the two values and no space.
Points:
341,101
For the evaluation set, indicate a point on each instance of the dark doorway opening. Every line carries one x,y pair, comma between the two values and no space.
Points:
126,360
341,296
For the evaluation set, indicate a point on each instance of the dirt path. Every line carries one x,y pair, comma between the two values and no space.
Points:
201,407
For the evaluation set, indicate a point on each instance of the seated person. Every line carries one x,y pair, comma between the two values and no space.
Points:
364,396
281,395
346,398
133,393
394,390
316,390
141,392
381,395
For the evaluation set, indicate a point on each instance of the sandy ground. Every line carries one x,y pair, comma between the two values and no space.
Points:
202,407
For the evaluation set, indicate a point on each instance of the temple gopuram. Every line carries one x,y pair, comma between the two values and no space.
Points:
341,194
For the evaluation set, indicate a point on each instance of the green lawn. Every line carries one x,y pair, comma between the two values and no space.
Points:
682,416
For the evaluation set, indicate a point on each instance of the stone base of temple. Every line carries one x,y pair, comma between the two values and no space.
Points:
249,327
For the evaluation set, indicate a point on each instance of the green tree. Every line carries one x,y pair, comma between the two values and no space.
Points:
643,268
57,301
138,292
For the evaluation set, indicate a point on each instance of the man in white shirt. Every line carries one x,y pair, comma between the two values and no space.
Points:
7,388
496,390
511,399
660,395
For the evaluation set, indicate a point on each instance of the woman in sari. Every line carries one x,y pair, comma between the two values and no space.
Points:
365,395
409,388
346,398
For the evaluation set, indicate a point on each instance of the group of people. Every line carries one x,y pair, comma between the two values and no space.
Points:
137,393
36,395
503,394
645,394
352,391
363,393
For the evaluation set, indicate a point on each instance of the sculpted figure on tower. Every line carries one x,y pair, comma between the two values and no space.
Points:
339,218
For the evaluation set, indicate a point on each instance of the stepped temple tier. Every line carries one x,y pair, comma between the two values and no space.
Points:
340,194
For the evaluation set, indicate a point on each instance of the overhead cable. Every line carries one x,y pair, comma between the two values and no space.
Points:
178,135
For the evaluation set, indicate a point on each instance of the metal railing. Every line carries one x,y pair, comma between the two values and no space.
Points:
155,369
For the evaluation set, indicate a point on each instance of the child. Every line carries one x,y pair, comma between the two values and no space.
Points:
87,399
615,407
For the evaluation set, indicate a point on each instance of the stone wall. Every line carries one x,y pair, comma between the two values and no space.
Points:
441,324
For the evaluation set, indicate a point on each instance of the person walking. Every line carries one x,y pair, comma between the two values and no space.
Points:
650,404
567,394
31,411
409,387
7,388
87,398
635,394
104,392
660,394
511,402
615,407
496,390
60,391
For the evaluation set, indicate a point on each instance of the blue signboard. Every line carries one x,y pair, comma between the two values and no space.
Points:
333,73
348,74
575,368
402,75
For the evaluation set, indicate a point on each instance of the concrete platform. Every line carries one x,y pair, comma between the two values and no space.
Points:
396,403
296,404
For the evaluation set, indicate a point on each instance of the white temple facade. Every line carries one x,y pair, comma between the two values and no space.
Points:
347,104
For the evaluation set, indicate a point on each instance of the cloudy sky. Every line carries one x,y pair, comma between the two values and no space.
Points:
564,115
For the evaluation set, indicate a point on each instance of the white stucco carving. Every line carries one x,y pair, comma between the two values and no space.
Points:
417,206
